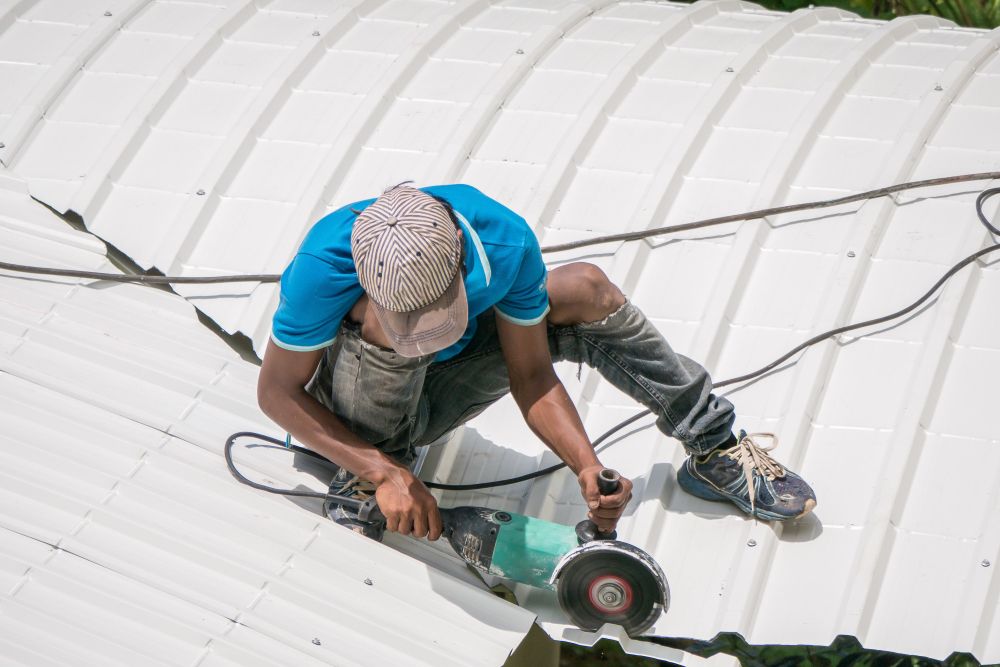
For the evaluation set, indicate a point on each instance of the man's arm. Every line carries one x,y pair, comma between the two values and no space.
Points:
551,414
405,501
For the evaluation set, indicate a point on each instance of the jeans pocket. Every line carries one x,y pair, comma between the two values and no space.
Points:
383,397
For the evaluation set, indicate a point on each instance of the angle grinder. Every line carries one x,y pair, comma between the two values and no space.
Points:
597,579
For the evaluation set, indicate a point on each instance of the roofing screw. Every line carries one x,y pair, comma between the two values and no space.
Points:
107,13
520,52
200,192
850,253
985,563
938,88
751,542
368,582
730,70
317,642
315,33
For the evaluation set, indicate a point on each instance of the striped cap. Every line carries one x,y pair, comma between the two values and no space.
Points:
407,255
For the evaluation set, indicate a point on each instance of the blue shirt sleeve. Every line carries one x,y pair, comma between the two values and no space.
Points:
315,297
527,301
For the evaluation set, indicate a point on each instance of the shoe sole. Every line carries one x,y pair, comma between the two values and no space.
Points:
702,490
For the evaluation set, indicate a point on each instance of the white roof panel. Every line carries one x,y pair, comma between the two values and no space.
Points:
590,117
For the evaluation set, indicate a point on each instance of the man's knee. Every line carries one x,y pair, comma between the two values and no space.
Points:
581,292
605,296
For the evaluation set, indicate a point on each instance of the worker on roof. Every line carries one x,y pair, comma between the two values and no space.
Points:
403,317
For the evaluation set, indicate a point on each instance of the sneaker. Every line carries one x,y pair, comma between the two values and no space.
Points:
347,484
727,474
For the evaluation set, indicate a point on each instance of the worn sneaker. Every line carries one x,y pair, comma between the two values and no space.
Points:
347,484
727,474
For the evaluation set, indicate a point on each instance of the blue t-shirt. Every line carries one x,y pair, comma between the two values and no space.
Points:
504,270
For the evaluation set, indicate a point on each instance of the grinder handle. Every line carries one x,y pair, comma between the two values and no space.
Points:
608,482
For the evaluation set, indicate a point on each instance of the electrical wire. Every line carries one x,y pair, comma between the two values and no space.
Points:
627,236
777,210
228,453
980,201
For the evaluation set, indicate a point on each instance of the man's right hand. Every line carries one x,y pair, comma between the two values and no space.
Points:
408,506
605,511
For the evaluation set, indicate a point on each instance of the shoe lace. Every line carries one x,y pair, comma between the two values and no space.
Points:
750,456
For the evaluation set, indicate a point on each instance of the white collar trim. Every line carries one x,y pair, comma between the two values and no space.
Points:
487,271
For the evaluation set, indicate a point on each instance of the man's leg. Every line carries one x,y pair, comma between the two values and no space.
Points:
590,322
459,389
596,325
593,323
372,389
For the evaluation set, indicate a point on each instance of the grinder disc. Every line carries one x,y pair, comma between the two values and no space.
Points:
605,583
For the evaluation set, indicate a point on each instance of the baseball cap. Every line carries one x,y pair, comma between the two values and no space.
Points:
408,259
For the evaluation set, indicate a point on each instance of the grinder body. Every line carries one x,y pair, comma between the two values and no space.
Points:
508,545
597,582
597,579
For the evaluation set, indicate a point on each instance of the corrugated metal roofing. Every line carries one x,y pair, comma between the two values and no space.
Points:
123,539
590,117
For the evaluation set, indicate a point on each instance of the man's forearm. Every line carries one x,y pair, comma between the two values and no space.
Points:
551,415
309,422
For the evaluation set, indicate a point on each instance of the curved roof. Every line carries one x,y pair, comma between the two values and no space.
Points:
205,137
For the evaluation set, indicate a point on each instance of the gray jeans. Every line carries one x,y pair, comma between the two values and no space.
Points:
399,403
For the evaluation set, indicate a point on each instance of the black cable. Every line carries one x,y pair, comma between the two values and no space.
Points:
228,453
537,473
986,194
776,210
867,323
626,236
141,277
980,200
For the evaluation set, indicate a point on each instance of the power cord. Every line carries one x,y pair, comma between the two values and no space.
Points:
980,201
627,236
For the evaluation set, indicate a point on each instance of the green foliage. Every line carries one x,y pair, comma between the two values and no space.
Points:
968,13
843,652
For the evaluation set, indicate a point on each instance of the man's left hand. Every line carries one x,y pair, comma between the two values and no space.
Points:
604,510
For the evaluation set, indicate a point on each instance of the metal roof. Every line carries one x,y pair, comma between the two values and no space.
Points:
591,117
123,539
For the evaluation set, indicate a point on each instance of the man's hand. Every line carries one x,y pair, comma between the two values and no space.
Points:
408,506
604,510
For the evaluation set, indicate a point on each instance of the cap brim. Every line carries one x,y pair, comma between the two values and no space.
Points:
431,328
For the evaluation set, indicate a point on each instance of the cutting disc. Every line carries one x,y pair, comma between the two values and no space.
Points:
605,583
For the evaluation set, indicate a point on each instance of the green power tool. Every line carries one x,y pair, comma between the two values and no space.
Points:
597,579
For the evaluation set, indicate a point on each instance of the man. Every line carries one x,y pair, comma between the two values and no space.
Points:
403,317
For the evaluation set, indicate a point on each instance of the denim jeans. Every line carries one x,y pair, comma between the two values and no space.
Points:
399,403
